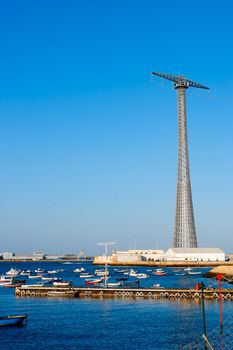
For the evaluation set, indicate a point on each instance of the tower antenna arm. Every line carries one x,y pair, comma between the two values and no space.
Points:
180,80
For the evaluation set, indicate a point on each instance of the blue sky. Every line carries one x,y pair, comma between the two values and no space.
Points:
88,149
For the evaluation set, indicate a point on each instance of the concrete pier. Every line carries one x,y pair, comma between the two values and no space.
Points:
121,293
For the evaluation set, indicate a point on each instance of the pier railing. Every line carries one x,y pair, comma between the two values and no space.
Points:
214,339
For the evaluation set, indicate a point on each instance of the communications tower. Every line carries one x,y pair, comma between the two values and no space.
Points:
184,231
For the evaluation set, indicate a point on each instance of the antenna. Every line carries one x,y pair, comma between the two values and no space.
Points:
184,231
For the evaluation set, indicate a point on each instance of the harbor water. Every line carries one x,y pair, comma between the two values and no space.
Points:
61,323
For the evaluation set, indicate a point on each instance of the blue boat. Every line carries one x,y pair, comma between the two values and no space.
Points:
12,320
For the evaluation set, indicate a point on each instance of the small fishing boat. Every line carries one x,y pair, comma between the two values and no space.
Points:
194,272
133,273
14,320
32,285
13,272
39,270
93,280
81,269
156,285
180,274
35,276
85,275
187,269
101,272
142,275
62,284
113,284
52,272
160,272
5,279
25,273
48,279
12,285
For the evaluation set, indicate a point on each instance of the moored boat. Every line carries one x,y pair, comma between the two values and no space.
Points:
62,284
12,285
85,275
187,269
13,272
93,280
194,272
81,269
112,284
142,275
159,272
133,273
5,279
12,320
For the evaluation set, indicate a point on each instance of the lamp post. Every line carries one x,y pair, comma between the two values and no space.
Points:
106,244
219,278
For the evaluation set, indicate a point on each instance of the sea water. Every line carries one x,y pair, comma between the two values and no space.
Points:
104,323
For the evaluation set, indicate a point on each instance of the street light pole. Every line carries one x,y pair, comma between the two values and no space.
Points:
105,244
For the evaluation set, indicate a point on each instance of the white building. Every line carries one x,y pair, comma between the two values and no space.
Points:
131,256
194,254
7,256
148,254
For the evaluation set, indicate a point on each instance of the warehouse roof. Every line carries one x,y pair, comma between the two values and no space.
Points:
195,250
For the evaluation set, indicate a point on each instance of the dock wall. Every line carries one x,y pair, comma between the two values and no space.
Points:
121,293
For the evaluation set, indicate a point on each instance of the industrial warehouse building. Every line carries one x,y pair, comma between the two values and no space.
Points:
194,254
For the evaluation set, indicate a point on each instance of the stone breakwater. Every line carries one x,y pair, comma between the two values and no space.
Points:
223,270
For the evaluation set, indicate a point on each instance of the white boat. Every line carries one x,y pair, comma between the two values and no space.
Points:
101,273
81,269
35,276
160,272
187,269
133,273
32,285
112,285
39,270
85,275
62,284
53,271
194,272
48,279
13,272
141,275
25,273
5,279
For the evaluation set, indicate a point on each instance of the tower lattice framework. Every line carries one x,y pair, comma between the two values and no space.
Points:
184,230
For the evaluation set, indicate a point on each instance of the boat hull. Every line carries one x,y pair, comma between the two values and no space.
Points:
12,320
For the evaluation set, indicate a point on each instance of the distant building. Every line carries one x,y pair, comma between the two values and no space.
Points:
194,254
7,256
148,254
131,256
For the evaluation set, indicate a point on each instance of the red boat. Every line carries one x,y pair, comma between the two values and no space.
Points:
13,285
93,281
160,272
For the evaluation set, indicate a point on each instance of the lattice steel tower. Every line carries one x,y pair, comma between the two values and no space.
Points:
184,231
